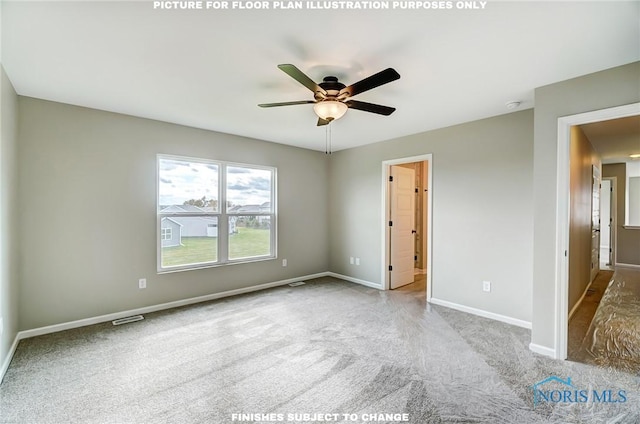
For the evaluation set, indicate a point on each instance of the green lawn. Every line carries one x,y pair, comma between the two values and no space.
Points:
246,243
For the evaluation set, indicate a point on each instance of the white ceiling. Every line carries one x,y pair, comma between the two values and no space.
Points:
209,69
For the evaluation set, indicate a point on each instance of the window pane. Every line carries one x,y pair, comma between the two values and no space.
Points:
249,236
633,187
188,240
187,187
248,190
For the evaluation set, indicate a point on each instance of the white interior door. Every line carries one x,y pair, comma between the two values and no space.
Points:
605,223
595,223
402,216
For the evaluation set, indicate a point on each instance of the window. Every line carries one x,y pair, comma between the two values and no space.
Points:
214,213
632,195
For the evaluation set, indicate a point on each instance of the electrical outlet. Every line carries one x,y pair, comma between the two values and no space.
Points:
486,286
284,262
351,260
142,283
357,261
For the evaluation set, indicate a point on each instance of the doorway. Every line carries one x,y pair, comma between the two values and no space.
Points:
406,212
402,224
562,214
608,223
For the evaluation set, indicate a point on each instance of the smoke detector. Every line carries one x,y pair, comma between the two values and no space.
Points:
513,104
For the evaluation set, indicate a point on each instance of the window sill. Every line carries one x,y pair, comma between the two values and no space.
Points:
631,227
218,265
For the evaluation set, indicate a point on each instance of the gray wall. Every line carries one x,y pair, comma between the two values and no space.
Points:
614,87
482,210
9,287
87,180
627,240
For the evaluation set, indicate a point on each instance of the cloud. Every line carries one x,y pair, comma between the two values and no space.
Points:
171,164
238,187
182,180
237,170
261,183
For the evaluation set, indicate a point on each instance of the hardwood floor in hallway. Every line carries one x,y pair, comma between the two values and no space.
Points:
581,319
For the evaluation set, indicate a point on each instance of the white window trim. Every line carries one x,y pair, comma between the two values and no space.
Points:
221,214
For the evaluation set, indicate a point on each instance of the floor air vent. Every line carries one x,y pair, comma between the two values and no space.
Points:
127,320
297,283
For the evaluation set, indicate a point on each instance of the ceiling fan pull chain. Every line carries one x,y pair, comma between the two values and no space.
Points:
326,139
329,128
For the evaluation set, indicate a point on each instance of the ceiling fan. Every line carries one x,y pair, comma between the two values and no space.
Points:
333,98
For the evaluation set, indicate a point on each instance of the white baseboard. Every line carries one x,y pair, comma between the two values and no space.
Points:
356,280
621,265
542,350
579,302
7,360
482,313
154,308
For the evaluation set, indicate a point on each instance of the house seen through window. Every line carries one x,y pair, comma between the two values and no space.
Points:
213,213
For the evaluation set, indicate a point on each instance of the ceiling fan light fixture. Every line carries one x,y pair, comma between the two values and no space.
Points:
330,110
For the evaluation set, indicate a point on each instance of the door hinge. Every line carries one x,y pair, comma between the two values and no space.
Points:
390,223
390,268
565,253
416,190
415,258
611,189
390,178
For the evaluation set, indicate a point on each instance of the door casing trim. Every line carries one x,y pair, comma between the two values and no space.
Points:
386,166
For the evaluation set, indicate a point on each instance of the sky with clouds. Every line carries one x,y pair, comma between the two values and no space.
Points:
182,180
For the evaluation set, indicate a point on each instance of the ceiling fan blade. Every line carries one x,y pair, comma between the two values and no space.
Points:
375,80
370,107
300,102
301,77
323,122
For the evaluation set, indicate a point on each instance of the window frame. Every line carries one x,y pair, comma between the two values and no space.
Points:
222,214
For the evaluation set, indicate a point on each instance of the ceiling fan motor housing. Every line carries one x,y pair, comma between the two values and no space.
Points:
332,86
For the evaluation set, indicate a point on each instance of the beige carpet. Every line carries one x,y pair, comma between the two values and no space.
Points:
326,347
